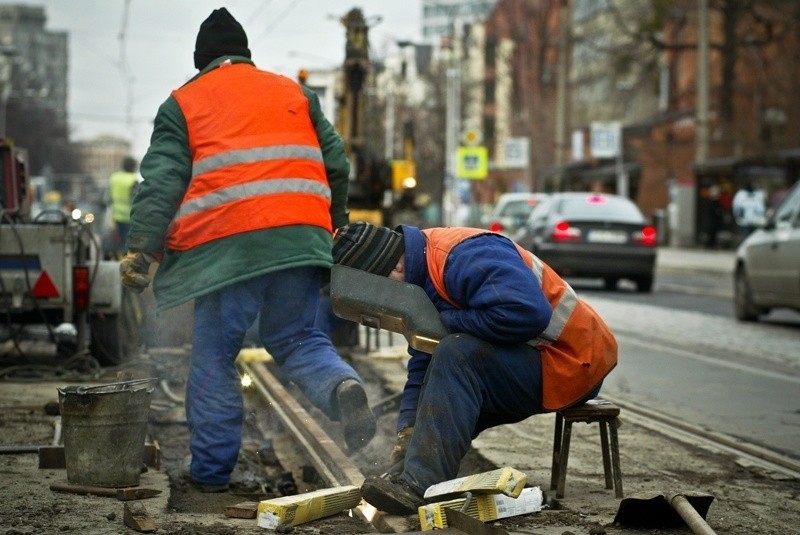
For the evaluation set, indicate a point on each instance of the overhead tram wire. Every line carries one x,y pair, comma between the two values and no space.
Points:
251,19
127,78
275,21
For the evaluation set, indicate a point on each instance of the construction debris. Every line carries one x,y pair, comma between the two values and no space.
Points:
137,517
485,508
506,480
242,510
301,508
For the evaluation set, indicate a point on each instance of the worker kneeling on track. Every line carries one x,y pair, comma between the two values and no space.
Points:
230,231
521,343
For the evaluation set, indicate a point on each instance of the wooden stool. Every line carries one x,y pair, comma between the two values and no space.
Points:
598,411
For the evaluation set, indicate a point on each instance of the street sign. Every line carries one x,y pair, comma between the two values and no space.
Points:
577,145
606,139
473,162
515,153
472,137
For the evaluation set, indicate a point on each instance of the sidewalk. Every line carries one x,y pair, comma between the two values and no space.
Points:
696,260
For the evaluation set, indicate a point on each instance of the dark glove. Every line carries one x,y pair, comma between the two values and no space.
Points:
134,271
401,445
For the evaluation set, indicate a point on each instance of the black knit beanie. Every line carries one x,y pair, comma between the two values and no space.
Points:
220,35
364,246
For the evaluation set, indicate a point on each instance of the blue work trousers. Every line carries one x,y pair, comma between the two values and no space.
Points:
287,301
470,385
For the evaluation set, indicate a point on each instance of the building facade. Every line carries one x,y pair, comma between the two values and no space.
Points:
441,18
34,60
579,65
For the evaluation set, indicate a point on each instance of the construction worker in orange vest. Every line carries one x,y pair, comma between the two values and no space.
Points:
521,343
243,184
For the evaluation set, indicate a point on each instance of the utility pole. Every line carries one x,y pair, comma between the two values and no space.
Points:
561,84
388,152
702,104
685,223
450,194
451,142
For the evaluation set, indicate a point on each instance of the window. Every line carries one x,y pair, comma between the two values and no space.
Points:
488,128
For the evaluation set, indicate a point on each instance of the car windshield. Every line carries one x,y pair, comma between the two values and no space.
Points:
600,207
518,209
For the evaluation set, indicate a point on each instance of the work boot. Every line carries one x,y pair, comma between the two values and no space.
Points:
358,422
206,488
391,495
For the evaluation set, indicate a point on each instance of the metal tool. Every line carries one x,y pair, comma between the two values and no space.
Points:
472,526
384,303
666,511
124,494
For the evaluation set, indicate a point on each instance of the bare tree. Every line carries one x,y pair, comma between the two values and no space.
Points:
742,30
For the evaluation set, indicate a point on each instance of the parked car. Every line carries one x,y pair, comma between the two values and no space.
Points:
767,273
593,235
511,212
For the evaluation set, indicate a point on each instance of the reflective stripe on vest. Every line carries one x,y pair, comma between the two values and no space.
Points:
299,152
269,186
257,163
561,312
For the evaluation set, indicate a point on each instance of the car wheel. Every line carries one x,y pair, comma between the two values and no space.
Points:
745,308
644,283
610,283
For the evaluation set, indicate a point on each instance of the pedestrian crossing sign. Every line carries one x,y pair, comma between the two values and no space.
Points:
473,163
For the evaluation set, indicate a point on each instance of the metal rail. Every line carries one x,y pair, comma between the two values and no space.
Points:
328,459
674,427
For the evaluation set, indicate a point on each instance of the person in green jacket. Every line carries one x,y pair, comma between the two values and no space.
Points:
243,183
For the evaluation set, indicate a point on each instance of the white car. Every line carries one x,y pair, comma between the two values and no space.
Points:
767,273
511,212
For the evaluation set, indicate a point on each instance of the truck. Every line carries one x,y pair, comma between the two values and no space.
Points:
56,290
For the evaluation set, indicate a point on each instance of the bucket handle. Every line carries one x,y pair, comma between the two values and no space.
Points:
124,385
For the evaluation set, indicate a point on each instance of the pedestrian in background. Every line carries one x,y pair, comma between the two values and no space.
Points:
521,343
121,189
244,182
749,209
712,215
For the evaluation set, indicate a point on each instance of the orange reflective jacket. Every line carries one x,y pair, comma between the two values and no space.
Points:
577,347
256,160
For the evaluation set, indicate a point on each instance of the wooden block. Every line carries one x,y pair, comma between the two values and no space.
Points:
52,457
137,517
242,510
152,455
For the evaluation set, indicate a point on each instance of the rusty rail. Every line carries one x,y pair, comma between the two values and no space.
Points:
335,468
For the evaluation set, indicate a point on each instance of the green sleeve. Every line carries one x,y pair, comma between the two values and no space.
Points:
167,171
337,165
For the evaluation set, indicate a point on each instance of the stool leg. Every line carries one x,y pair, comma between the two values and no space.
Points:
606,456
615,460
564,458
556,451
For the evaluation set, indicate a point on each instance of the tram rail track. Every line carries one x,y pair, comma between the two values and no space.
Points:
332,464
674,427
336,467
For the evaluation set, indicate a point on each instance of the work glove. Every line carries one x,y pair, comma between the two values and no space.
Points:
401,445
134,271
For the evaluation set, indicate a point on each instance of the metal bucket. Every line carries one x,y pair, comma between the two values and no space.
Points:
104,429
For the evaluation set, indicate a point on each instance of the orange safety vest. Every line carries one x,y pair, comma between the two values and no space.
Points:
577,347
256,159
